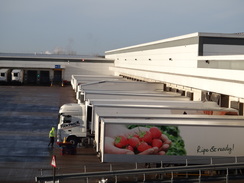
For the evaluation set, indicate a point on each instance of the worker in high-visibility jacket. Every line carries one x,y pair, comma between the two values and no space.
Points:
51,137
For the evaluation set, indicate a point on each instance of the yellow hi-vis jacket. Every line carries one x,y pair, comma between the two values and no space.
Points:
52,132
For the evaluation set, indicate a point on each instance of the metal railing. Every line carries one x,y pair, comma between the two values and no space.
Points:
160,170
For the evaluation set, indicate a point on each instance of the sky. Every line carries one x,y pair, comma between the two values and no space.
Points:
91,27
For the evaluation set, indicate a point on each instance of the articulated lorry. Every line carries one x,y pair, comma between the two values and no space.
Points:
72,116
80,122
183,139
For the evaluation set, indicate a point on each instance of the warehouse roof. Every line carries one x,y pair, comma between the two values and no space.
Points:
52,57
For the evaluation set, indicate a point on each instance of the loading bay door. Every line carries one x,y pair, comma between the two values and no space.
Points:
31,76
45,78
57,77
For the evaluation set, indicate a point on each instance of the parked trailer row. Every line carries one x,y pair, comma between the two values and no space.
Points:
82,111
126,88
14,76
31,76
89,123
86,121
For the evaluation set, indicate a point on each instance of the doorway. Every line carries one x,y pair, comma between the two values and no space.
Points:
31,77
44,78
57,77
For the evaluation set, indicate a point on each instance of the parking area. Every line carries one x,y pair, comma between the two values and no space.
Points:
27,113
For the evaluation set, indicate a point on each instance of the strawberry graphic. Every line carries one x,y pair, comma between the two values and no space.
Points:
146,136
130,148
156,133
143,146
133,141
120,141
157,143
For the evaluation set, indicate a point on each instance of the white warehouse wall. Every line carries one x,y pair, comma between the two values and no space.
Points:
152,61
159,59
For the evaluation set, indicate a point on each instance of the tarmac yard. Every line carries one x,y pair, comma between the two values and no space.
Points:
27,114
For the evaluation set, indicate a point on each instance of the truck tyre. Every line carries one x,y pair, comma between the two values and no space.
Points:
73,140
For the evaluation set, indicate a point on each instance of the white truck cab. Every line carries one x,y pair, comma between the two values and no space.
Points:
17,75
72,124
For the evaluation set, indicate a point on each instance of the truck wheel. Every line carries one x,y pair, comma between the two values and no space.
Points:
73,140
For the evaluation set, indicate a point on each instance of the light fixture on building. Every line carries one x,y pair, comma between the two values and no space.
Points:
170,59
207,61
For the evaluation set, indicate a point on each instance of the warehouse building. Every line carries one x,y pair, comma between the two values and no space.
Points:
52,69
203,66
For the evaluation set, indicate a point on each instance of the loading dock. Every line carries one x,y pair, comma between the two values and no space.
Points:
31,77
45,78
57,76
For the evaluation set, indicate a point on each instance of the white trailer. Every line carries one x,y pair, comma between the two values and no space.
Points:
81,79
5,75
153,102
76,80
185,139
131,96
17,76
120,106
121,86
146,111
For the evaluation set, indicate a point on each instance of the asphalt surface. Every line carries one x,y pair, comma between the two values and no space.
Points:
27,114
